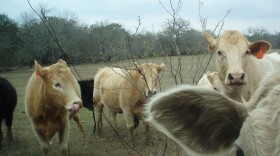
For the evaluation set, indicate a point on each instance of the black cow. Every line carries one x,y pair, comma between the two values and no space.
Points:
8,101
87,95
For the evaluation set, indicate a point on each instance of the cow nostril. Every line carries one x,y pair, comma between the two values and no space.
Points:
239,152
230,77
152,92
243,76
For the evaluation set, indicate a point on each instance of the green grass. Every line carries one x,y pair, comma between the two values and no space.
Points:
26,144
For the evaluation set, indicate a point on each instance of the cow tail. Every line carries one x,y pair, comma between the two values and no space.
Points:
79,125
136,122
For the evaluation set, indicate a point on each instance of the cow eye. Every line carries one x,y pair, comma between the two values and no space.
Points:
247,52
58,84
220,53
215,88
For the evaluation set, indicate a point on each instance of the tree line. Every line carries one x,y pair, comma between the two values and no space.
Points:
21,43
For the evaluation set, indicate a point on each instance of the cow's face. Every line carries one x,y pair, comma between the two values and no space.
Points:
149,77
62,88
233,55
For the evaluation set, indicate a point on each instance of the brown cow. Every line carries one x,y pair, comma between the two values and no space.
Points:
125,91
52,96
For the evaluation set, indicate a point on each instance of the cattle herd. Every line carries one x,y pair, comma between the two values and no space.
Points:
233,111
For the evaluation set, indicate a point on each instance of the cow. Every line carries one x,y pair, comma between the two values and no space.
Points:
125,91
87,98
8,102
52,96
205,122
211,80
86,87
239,62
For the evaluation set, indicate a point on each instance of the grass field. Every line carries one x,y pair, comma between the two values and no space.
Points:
26,144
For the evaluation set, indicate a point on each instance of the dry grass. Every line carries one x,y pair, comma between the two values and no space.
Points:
25,142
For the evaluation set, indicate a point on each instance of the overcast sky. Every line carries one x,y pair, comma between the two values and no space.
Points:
243,14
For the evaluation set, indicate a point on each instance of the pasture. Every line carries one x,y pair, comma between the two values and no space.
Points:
26,144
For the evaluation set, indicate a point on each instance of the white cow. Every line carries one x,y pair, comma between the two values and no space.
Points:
211,80
204,122
239,62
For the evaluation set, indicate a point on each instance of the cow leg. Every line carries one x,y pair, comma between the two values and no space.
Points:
98,117
64,139
129,123
147,133
113,119
94,121
1,134
9,122
44,143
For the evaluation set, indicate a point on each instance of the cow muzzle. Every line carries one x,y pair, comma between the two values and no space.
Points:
151,93
235,79
77,105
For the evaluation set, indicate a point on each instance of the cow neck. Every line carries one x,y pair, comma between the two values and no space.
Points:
234,93
255,73
135,77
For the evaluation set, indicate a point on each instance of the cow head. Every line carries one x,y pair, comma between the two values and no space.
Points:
60,85
149,73
215,81
233,54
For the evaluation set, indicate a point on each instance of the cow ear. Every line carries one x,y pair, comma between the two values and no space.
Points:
209,76
259,48
61,61
198,119
160,67
138,67
210,41
40,71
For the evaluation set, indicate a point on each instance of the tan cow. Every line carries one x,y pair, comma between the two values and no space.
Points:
52,95
125,91
239,62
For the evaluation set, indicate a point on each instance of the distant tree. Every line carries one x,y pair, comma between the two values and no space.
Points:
9,41
259,33
172,36
108,41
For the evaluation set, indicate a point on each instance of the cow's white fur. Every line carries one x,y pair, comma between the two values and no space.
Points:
230,49
212,80
259,134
